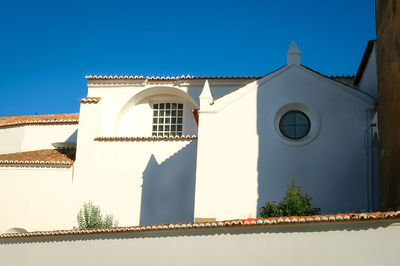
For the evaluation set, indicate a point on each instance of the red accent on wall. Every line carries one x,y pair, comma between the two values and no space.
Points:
196,115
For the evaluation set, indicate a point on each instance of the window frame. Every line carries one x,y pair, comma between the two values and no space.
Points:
294,125
158,128
279,109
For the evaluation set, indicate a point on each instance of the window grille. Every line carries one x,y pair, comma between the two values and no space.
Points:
167,119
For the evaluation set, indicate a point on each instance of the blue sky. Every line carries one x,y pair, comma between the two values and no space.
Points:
47,47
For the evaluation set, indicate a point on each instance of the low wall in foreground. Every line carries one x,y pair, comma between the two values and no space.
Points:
354,242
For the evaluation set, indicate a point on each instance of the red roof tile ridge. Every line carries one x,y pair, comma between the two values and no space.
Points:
150,138
214,224
9,121
90,100
47,157
182,77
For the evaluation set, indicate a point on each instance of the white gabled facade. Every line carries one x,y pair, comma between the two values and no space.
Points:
243,159
229,155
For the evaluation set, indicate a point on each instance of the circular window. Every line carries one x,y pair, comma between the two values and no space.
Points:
294,124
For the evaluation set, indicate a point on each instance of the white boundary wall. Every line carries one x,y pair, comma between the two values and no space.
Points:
337,243
36,198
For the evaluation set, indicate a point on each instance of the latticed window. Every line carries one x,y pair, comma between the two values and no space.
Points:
167,119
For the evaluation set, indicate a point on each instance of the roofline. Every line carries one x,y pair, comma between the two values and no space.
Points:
4,162
40,121
343,83
152,138
250,222
270,73
364,61
221,102
167,78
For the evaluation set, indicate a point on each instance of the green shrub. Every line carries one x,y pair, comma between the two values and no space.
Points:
295,203
89,217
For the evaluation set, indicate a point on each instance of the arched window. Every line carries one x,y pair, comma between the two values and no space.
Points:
167,119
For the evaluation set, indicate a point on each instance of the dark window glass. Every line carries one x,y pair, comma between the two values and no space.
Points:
294,124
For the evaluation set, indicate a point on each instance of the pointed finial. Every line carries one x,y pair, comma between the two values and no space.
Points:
206,97
293,56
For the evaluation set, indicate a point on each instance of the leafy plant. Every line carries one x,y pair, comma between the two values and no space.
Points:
89,217
295,203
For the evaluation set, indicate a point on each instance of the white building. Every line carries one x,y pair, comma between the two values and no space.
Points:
174,149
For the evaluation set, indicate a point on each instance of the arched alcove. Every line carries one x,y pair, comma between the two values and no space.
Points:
136,117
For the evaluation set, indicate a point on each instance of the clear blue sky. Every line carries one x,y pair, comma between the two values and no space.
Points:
47,47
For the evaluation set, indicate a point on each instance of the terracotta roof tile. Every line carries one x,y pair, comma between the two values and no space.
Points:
90,100
342,217
152,138
12,121
152,78
64,157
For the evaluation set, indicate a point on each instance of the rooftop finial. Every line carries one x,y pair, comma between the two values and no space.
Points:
293,56
206,97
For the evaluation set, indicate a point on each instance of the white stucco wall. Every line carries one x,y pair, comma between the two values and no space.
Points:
35,137
36,198
124,104
243,162
350,243
138,120
369,79
137,182
140,182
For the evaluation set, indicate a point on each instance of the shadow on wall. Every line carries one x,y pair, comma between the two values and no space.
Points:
268,185
278,163
168,188
73,137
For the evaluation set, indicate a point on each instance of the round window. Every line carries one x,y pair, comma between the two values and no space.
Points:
294,124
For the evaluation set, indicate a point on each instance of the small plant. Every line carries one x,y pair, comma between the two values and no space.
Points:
89,217
295,203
